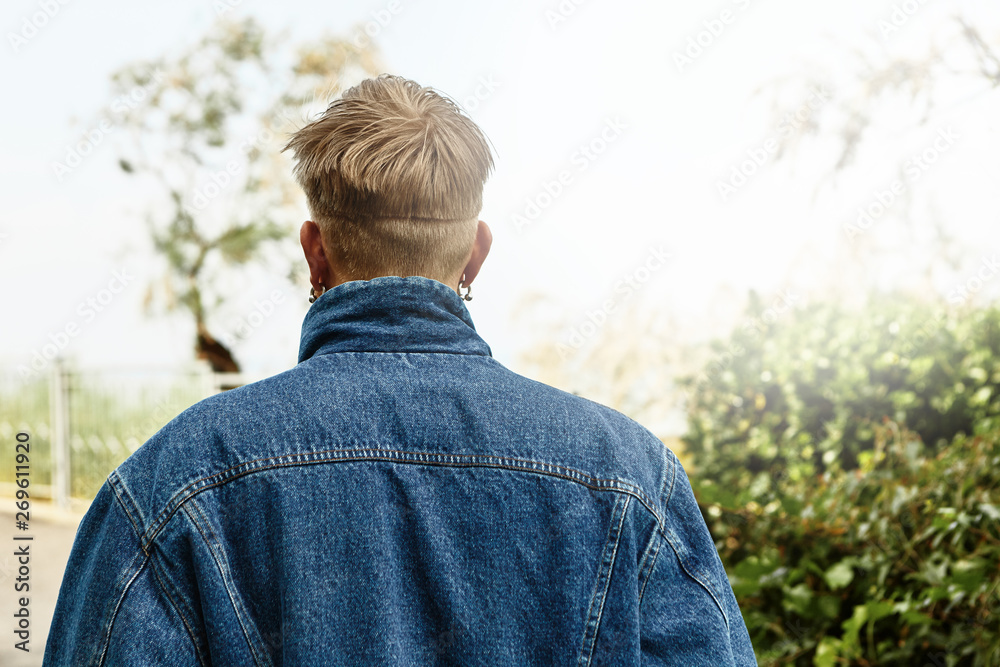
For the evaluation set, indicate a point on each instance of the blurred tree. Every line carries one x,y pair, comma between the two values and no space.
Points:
921,65
880,76
205,131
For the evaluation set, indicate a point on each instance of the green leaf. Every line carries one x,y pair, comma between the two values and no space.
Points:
841,574
879,609
827,652
797,599
852,627
990,511
749,575
828,606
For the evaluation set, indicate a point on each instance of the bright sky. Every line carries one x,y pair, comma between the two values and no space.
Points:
669,137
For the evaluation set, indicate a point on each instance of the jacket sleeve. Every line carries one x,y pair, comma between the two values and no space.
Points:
688,612
111,609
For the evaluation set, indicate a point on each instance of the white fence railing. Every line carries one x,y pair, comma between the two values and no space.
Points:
83,423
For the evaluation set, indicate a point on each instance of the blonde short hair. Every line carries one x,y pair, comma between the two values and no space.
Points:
394,174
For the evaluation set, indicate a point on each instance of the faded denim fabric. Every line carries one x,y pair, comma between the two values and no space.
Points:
397,498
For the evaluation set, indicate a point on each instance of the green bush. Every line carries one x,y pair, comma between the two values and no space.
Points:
795,401
848,466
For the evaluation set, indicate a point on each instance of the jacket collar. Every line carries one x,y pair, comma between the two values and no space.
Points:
390,314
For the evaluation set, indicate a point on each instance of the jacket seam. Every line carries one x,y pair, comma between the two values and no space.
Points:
237,608
671,464
603,580
671,538
187,625
106,642
124,580
648,548
320,353
704,584
335,455
114,481
656,542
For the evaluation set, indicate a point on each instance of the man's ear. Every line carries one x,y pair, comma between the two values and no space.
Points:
312,245
480,249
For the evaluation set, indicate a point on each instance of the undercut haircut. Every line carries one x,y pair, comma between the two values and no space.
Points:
393,173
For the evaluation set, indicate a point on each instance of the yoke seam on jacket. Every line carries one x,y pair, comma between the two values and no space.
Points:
320,353
430,458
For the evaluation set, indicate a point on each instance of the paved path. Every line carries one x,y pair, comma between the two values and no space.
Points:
53,533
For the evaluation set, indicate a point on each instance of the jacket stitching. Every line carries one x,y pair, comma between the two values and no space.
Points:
212,538
652,544
652,564
105,644
187,626
603,580
700,580
124,581
666,472
460,460
655,543
703,580
237,608
673,464
113,482
649,547
326,353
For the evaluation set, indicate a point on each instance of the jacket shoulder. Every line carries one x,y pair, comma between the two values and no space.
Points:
496,412
600,440
198,444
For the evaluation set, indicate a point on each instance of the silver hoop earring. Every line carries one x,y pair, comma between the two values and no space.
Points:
312,293
468,290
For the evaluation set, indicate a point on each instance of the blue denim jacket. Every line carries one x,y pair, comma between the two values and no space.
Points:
397,498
